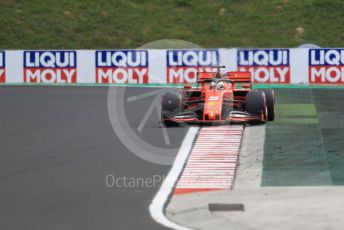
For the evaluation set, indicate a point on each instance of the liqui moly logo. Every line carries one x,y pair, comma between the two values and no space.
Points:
2,67
266,66
326,66
122,66
50,67
183,65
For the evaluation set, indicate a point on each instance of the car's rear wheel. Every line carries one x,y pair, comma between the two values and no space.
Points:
270,103
256,105
170,106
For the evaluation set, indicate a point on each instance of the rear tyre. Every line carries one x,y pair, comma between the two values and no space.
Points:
170,106
256,105
270,103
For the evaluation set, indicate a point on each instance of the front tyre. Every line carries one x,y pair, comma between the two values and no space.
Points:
256,105
270,103
170,106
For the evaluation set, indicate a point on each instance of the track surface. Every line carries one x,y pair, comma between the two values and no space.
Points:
56,148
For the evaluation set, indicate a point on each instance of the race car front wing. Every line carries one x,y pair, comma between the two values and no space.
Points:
233,116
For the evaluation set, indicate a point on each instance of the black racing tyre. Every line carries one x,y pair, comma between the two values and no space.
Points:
170,106
270,103
171,102
256,104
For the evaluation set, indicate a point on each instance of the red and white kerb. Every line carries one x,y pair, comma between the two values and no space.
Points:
213,160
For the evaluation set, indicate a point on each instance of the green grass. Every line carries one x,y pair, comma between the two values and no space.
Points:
71,24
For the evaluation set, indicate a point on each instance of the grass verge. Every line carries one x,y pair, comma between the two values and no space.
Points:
88,24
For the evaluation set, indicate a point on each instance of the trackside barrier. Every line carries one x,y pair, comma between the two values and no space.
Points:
170,66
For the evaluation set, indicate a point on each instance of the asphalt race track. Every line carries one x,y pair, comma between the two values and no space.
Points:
56,148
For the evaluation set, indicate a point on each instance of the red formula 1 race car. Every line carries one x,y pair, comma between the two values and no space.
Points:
218,98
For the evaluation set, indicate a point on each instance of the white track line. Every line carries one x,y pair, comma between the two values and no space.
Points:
157,207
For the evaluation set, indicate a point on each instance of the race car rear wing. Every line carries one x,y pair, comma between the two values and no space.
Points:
205,75
243,78
235,77
201,76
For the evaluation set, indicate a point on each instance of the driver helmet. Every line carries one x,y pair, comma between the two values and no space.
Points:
212,85
220,85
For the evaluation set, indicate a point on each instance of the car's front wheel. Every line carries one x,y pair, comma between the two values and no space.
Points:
170,106
256,105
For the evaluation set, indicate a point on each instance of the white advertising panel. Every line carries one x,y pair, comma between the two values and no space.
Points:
170,66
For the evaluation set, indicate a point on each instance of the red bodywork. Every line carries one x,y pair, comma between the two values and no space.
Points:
207,103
